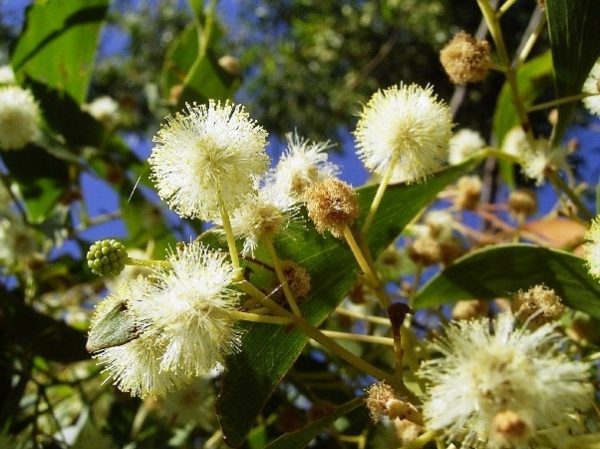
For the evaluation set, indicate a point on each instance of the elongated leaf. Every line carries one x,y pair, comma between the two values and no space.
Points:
65,116
499,271
58,44
39,334
42,178
574,41
200,80
301,438
269,351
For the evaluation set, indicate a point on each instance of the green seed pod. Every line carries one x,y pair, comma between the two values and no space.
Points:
107,257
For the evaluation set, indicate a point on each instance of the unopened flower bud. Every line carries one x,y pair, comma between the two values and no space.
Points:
382,402
107,257
522,203
297,277
230,64
466,59
332,205
468,192
425,251
539,302
509,429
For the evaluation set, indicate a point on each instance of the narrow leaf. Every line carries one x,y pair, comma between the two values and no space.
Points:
574,41
301,438
58,44
499,271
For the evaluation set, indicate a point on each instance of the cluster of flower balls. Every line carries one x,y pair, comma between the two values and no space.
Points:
497,384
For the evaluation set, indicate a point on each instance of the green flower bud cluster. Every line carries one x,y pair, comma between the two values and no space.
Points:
107,257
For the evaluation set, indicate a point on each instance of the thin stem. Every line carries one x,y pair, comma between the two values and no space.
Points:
505,7
408,350
360,316
379,194
538,22
421,440
387,341
559,101
258,318
360,258
6,182
494,26
315,334
289,295
204,34
561,186
235,260
415,284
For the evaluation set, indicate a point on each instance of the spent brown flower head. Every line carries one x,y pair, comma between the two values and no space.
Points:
540,304
332,205
466,59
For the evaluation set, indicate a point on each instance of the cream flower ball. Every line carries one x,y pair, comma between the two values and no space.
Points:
19,117
463,144
496,385
208,157
190,308
407,126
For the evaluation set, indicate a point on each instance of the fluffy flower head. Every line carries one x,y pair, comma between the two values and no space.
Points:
190,310
406,126
592,86
135,367
206,154
463,144
491,380
19,117
104,109
7,76
262,214
302,164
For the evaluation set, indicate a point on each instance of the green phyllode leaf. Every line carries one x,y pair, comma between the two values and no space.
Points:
269,351
39,334
499,271
200,78
300,438
574,41
58,44
42,179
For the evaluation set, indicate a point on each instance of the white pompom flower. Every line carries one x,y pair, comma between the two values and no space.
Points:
135,367
7,76
261,216
191,310
207,157
497,384
105,110
463,144
301,165
19,117
592,86
407,126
